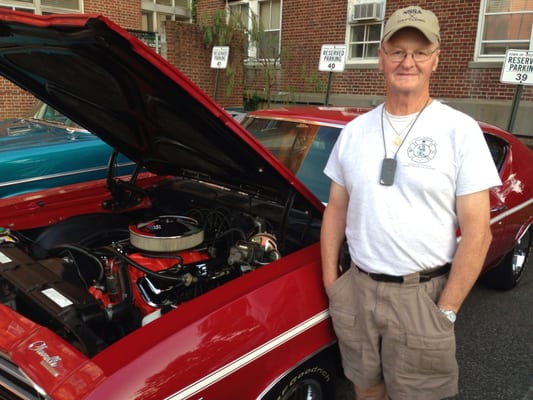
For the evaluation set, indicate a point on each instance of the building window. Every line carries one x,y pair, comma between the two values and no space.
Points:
30,10
270,17
365,23
364,41
504,24
240,13
43,6
154,12
263,17
61,4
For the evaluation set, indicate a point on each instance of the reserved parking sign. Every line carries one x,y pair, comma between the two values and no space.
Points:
518,67
332,58
219,57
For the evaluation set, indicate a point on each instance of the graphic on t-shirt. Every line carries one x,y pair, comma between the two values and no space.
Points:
422,149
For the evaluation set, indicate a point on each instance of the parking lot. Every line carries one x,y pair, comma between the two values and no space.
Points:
494,344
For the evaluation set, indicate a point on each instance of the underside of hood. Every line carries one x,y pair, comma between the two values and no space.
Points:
112,84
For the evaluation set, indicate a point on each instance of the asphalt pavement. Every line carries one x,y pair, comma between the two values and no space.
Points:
494,332
495,342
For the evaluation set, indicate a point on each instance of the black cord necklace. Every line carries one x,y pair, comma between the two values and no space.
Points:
388,166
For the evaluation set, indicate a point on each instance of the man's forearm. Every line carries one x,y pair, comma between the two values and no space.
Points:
466,267
331,239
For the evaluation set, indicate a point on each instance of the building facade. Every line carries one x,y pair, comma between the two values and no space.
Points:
281,64
475,37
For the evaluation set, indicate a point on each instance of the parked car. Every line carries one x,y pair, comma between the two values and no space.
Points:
198,278
46,149
302,138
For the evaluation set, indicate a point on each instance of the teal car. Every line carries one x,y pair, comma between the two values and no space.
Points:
47,150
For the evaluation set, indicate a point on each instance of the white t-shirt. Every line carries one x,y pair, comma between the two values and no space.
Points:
411,225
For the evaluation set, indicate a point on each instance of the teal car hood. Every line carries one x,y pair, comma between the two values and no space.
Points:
29,134
109,82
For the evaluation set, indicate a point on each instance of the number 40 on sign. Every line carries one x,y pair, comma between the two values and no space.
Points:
332,58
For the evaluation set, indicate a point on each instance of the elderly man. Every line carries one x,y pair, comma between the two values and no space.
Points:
405,176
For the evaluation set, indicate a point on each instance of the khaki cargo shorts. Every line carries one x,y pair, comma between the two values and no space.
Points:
394,332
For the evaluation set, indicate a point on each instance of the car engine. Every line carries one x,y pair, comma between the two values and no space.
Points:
93,279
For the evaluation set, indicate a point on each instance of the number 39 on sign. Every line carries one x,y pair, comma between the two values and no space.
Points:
518,67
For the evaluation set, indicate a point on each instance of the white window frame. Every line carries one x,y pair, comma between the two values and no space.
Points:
179,10
366,24
253,10
37,8
479,57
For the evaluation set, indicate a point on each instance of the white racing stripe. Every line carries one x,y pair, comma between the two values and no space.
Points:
246,359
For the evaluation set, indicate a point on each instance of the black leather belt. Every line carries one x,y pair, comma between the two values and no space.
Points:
423,276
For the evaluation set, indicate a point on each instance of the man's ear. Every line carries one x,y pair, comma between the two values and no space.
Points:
436,63
380,59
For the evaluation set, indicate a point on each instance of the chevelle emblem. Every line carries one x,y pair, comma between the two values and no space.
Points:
48,361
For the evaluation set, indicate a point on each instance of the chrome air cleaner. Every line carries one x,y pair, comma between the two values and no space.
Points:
167,233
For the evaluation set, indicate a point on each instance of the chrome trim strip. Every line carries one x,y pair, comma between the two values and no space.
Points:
61,174
246,359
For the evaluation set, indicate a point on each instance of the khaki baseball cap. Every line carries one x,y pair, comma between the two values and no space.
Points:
413,17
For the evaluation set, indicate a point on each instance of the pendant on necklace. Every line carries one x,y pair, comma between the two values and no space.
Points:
397,141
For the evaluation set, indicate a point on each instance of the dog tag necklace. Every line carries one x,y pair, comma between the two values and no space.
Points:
388,166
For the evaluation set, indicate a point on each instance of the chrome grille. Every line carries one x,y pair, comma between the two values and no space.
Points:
15,385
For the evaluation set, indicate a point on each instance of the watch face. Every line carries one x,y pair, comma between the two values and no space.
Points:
451,315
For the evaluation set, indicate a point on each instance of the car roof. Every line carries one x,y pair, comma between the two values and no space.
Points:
312,113
340,116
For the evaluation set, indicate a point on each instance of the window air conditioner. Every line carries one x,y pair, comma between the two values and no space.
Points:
367,11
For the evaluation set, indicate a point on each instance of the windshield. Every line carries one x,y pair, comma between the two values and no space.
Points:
44,112
303,148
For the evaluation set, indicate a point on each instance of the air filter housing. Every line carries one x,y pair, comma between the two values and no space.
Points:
166,234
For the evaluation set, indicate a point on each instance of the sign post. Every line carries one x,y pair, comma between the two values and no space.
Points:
332,59
518,69
219,60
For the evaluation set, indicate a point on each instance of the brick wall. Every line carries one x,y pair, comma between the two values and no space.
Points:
126,13
14,102
207,7
187,51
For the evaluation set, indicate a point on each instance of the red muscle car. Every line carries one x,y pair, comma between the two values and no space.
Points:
197,278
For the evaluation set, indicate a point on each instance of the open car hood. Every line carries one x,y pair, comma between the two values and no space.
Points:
109,82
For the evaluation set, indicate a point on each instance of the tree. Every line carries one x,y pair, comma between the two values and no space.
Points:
265,52
218,31
264,48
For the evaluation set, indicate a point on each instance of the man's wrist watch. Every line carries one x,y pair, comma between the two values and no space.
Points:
451,315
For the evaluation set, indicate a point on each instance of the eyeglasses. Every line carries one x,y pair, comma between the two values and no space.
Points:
418,55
